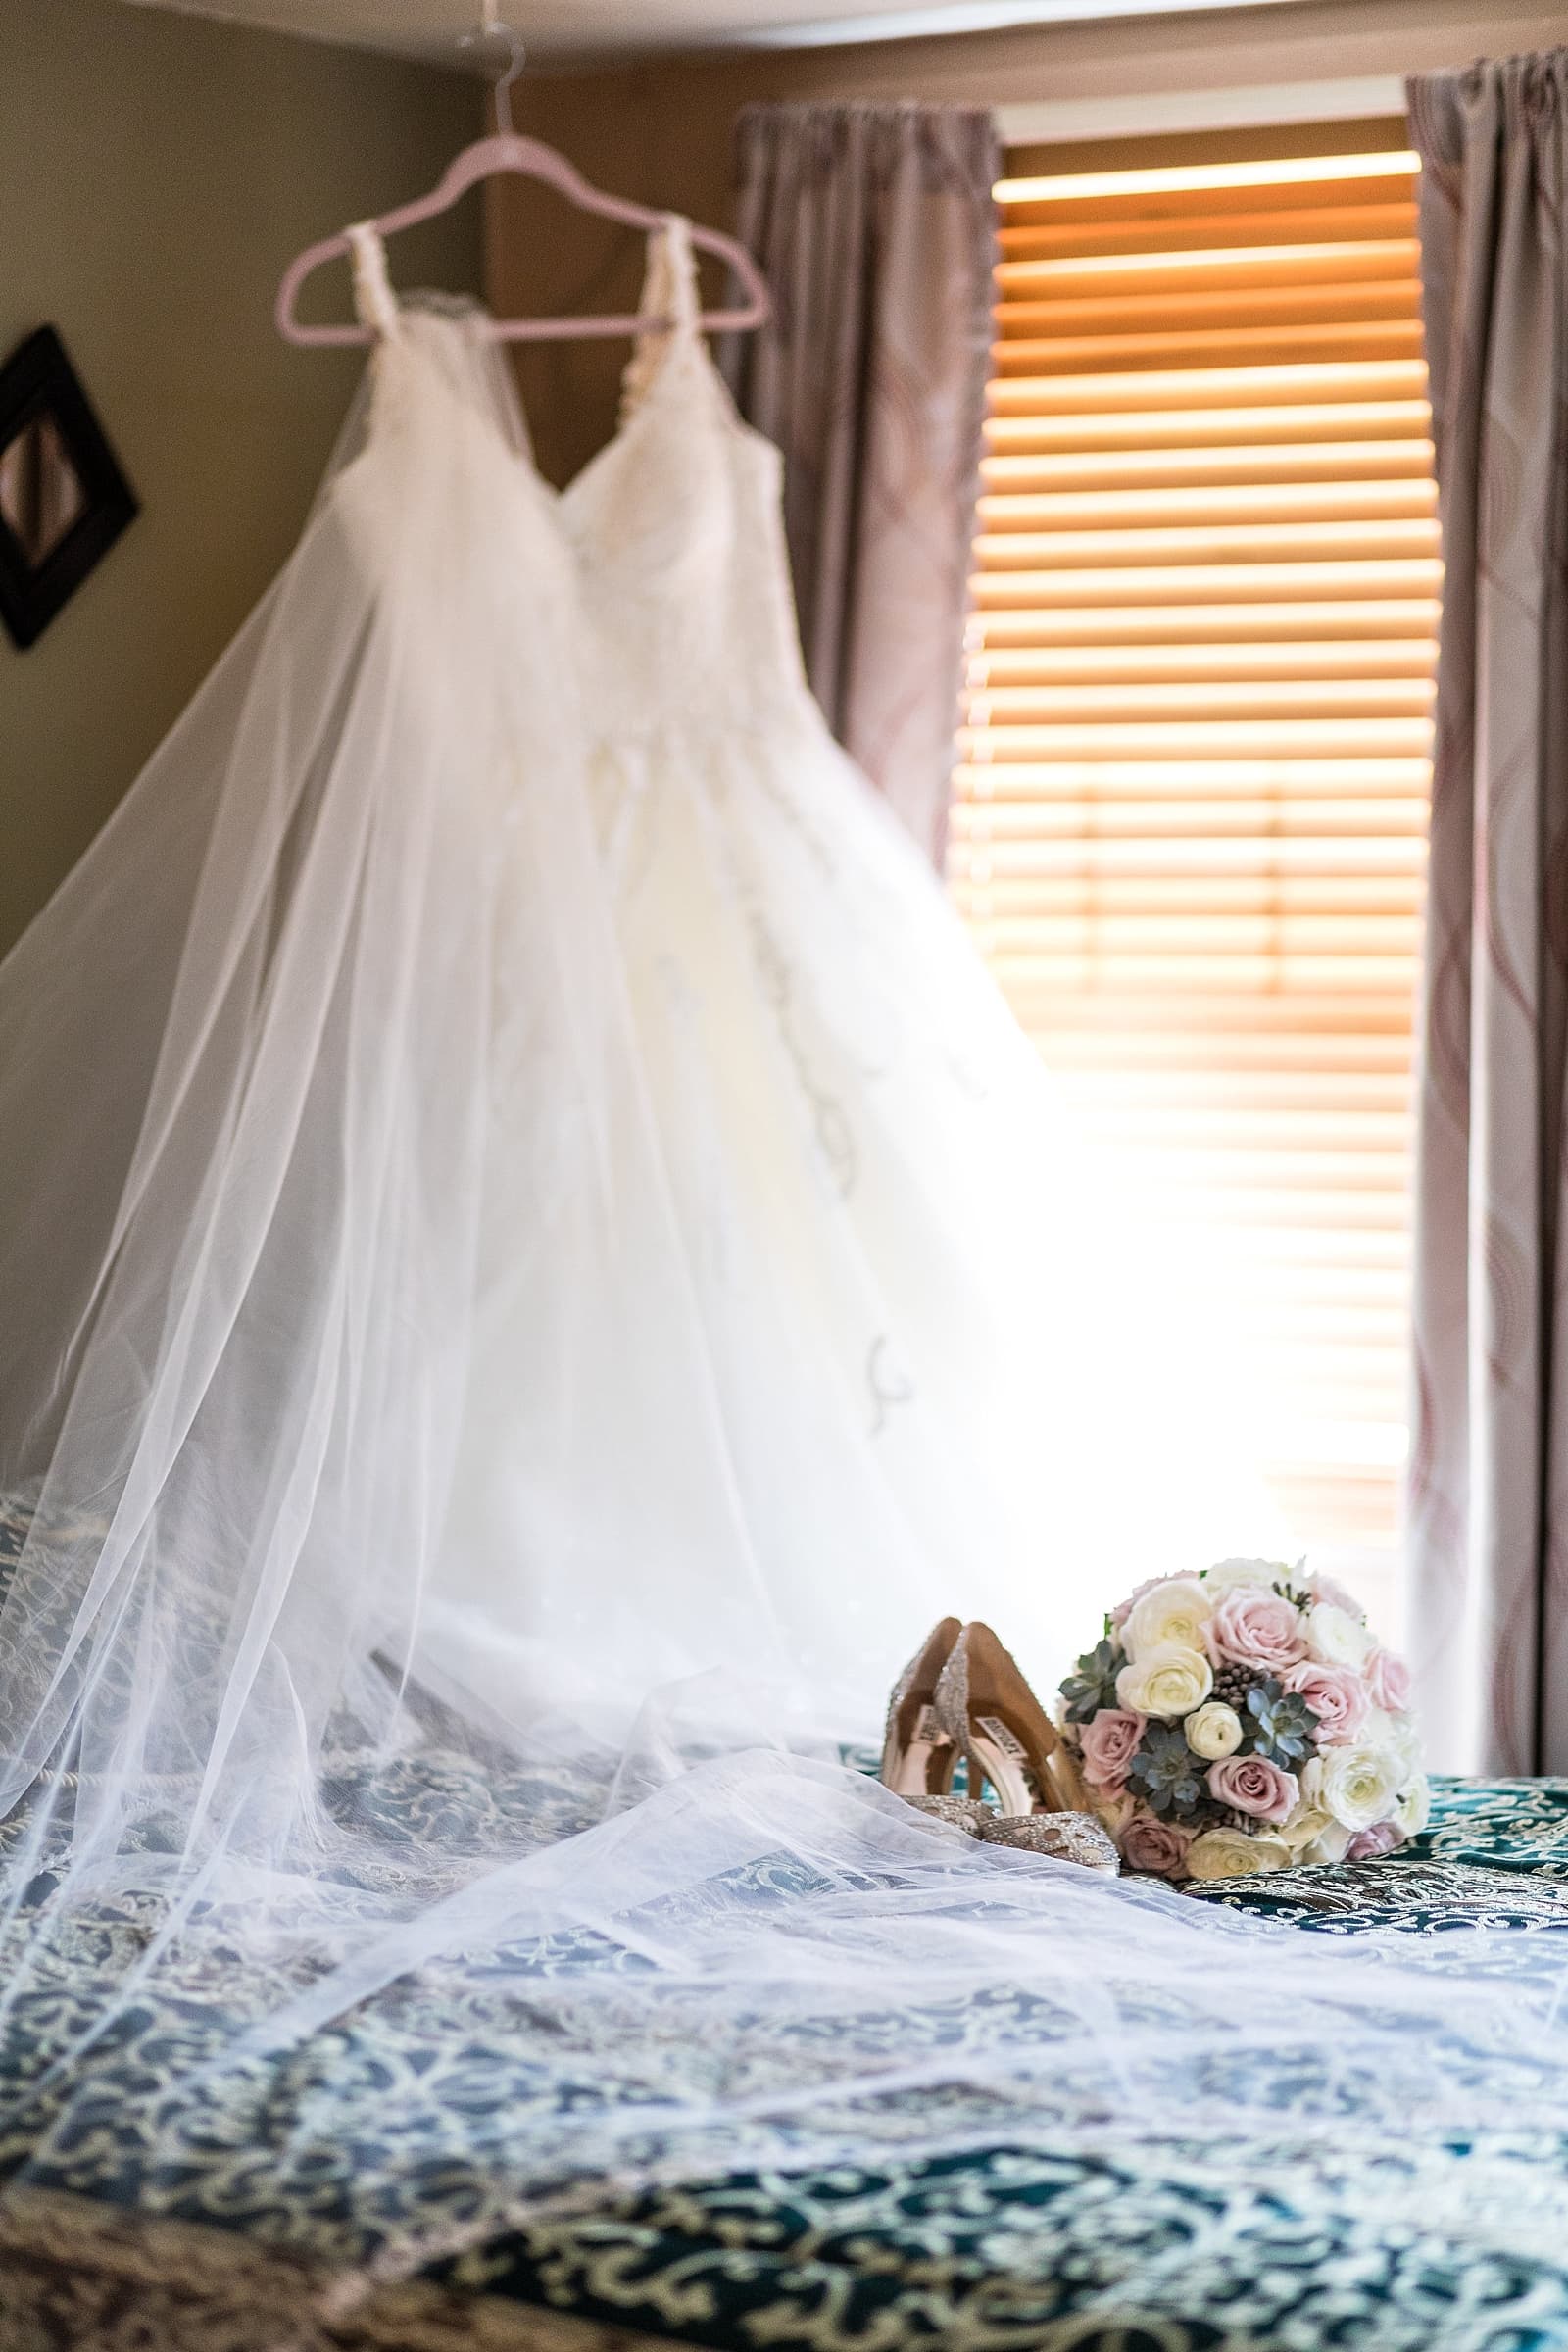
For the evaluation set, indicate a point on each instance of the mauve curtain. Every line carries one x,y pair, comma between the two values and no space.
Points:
1488,1482
876,229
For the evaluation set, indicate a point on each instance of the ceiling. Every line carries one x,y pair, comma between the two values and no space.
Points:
567,31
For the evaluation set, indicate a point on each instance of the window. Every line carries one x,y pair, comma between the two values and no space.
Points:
1189,820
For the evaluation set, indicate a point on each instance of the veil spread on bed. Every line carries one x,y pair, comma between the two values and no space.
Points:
409,1602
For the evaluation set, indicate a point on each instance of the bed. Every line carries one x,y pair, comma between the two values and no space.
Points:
156,2226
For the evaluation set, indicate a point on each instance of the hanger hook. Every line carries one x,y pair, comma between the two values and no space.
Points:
492,29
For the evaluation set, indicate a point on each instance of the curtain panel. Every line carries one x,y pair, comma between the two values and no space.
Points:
1488,1473
876,229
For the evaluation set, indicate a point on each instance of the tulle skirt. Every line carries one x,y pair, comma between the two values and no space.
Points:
884,1340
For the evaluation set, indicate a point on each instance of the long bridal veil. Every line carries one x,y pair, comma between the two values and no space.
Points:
326,1034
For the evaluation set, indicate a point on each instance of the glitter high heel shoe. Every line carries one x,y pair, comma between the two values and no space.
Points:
919,1756
987,1710
1063,1836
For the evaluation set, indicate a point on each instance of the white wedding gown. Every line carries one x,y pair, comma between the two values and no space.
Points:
854,1347
535,1263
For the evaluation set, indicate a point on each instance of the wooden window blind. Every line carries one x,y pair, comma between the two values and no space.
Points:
1190,817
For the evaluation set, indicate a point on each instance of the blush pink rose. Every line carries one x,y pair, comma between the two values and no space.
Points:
1253,1627
1337,1697
1387,1679
1109,1742
1155,1845
1254,1785
1380,1839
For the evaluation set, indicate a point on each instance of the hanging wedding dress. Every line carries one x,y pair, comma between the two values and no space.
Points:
911,1305
517,1196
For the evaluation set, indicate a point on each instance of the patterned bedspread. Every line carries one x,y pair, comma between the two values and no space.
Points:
146,2228
1024,2247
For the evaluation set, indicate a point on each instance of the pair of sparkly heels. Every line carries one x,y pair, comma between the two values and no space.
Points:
962,1698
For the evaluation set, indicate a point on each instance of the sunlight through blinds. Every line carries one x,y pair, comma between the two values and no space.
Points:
1189,820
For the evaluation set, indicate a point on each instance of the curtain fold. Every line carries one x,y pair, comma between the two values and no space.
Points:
876,229
1489,1474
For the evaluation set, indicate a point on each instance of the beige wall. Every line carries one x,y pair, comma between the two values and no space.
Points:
156,175
662,132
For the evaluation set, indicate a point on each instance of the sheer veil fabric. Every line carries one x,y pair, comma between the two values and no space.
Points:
535,1264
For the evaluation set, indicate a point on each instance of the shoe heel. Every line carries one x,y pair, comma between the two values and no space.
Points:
919,1756
993,1717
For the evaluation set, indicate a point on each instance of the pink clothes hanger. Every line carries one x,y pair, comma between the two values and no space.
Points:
507,150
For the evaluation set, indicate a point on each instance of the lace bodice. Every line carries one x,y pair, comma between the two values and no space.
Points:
677,563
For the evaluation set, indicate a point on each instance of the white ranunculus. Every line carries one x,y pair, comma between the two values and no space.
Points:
1168,1682
1306,1827
1214,1731
1334,1637
1175,1611
1329,1846
1233,1854
1358,1783
1225,1574
1414,1808
1399,1736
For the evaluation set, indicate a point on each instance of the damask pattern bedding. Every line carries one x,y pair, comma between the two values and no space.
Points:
147,2226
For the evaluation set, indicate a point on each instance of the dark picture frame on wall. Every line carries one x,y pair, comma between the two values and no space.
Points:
63,498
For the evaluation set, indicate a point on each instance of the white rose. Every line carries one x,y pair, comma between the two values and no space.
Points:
1170,1681
1358,1785
1232,1854
1334,1637
1414,1808
1214,1730
1176,1611
1225,1574
1328,1848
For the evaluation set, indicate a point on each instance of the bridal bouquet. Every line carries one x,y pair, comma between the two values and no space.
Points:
1242,1720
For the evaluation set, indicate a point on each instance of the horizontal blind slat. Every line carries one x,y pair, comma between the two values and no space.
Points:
1388,220
1149,546
1339,620
1273,661
1254,385
1233,314
1211,699
1208,582
1270,269
1158,471
1131,194
1151,507
1201,350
